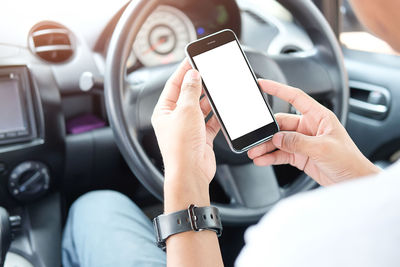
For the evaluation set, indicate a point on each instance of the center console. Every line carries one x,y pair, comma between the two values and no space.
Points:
32,160
21,122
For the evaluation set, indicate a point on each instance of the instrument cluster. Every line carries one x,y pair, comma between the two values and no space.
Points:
171,26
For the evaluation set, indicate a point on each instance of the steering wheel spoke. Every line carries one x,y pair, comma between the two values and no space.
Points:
248,185
143,88
304,70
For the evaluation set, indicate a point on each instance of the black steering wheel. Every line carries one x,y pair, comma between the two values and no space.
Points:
130,100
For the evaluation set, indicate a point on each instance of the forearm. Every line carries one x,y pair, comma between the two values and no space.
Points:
194,249
189,248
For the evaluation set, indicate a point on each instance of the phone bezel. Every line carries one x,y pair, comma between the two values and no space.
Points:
251,139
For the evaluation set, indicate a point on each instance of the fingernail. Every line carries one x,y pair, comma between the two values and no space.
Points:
277,140
193,75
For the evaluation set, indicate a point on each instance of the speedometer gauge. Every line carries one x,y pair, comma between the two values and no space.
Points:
163,37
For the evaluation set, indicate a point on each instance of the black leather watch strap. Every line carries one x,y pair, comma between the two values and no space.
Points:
192,219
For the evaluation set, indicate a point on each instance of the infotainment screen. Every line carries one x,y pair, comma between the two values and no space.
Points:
18,106
11,107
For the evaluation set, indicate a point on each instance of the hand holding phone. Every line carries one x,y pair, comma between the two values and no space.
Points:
232,89
314,142
185,140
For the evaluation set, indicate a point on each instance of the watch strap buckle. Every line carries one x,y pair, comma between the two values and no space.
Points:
193,217
159,239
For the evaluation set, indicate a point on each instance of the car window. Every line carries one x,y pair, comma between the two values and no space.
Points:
354,35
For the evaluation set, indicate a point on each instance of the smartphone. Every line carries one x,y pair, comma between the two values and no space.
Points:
233,91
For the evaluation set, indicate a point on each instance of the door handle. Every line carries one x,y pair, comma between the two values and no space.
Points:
369,100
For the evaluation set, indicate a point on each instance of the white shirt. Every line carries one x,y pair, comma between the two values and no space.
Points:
356,223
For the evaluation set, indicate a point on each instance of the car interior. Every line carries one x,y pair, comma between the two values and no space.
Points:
79,81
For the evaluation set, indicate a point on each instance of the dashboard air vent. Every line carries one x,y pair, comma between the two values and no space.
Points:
290,49
51,42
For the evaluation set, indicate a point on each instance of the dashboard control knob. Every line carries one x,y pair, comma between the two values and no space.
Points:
29,180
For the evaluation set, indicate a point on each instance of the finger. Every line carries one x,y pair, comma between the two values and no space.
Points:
287,122
278,157
212,129
190,89
205,106
169,96
294,142
260,150
296,97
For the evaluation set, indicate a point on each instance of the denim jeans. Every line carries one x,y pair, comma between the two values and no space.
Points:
105,228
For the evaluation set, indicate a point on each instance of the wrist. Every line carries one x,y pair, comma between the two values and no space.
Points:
183,189
373,169
368,168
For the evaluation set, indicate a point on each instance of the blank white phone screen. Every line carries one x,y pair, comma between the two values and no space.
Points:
233,90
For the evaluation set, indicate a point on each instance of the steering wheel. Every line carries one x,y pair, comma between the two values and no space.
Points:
130,100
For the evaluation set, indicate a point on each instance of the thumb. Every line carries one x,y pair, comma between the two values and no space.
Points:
190,89
294,142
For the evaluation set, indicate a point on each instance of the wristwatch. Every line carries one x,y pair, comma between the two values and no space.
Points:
192,219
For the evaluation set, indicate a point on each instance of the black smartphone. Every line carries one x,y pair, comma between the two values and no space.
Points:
233,91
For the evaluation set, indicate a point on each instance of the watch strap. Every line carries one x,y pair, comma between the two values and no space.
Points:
192,219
